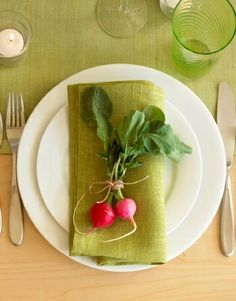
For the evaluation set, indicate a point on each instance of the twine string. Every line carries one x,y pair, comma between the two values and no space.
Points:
111,185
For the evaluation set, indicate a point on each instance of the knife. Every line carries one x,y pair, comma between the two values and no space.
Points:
1,136
226,120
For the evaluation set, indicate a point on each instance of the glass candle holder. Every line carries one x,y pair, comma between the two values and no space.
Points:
15,37
201,32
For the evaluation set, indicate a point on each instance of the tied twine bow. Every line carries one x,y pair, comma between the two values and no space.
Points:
112,185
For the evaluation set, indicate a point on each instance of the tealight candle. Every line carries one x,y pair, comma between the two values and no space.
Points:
11,42
167,6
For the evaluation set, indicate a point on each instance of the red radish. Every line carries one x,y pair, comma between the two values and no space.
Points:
102,215
125,209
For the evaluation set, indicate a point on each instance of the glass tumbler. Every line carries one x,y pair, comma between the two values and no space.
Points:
202,29
122,18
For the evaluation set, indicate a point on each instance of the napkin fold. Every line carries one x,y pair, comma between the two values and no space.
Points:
148,244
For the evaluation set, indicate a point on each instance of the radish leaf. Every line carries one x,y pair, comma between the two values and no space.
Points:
129,128
96,111
153,113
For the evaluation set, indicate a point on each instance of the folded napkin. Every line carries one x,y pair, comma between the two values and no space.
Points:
148,244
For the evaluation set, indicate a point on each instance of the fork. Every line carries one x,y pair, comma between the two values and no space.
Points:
15,121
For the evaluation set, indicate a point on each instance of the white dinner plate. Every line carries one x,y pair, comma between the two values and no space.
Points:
202,122
53,170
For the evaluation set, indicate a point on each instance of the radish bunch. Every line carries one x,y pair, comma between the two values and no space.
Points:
141,132
103,215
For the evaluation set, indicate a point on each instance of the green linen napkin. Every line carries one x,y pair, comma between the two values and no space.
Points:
148,244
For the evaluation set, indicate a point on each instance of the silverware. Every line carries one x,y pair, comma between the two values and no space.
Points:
15,121
1,136
226,120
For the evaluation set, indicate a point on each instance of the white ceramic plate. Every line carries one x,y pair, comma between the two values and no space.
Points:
53,170
203,124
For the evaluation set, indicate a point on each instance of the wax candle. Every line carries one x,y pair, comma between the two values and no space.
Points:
11,42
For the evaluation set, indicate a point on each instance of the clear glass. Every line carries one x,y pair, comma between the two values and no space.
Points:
122,18
201,31
12,20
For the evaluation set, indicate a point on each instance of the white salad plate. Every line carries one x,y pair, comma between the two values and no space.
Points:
53,170
185,101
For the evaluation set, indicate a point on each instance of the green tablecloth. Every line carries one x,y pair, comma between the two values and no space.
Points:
67,39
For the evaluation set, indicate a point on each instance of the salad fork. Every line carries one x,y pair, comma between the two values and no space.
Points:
15,121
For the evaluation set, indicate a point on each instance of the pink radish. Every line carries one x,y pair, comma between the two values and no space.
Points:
102,215
125,209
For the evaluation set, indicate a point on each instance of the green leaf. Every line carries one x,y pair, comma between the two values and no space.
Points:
150,145
102,104
104,130
132,150
87,107
129,128
133,164
168,143
151,127
102,108
96,111
153,113
113,151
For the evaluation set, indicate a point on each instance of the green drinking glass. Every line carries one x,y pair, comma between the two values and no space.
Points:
202,29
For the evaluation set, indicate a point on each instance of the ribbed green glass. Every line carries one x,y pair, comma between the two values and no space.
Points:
202,29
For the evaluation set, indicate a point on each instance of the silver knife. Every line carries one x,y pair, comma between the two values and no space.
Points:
1,136
226,120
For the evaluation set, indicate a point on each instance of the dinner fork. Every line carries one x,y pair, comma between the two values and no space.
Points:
15,121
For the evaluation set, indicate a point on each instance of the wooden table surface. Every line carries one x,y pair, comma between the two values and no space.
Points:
36,271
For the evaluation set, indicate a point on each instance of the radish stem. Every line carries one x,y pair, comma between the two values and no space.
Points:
125,235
